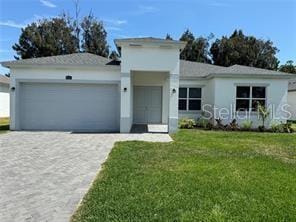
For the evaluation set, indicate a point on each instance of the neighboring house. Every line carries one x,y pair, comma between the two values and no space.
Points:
292,99
4,96
150,85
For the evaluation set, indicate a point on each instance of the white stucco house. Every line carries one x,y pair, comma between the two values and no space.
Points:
150,85
292,99
4,96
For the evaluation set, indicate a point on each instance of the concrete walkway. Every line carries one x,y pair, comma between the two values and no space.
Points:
44,175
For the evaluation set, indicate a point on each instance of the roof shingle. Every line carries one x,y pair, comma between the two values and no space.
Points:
187,69
75,59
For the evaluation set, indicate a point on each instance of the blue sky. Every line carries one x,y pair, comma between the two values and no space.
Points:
267,19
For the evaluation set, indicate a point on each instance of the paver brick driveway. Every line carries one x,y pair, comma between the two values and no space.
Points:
44,175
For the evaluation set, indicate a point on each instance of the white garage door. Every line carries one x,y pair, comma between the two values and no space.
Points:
78,107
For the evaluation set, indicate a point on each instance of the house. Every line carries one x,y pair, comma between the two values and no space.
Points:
292,99
4,96
150,85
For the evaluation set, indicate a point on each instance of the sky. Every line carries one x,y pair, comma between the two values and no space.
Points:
273,20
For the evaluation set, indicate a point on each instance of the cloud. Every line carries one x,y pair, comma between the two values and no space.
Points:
48,4
145,9
116,22
12,24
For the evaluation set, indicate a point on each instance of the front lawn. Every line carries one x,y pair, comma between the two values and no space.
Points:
4,124
201,176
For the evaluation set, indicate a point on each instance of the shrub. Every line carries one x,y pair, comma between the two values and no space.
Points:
287,127
247,125
220,125
263,114
186,123
204,123
277,127
233,126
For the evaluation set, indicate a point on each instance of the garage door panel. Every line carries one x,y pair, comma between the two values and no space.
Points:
81,107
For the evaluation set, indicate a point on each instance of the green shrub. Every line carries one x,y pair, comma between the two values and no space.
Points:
287,127
278,127
246,125
204,123
186,123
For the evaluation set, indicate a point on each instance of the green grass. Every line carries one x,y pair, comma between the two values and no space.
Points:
4,124
201,176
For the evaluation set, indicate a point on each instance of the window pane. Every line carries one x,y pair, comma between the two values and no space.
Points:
258,92
243,92
194,105
242,104
182,104
255,104
195,93
182,92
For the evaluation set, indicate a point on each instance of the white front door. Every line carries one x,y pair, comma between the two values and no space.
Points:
147,104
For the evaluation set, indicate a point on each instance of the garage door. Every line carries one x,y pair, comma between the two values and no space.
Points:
78,107
147,104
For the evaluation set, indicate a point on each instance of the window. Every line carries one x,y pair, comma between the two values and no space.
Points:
190,99
248,97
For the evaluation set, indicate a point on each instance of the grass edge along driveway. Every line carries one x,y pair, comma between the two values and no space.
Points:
201,176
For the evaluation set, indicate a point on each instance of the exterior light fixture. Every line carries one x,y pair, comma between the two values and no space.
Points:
68,77
124,89
12,89
174,90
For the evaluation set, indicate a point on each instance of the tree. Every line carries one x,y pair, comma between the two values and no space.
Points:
168,37
196,49
244,50
94,36
289,67
46,38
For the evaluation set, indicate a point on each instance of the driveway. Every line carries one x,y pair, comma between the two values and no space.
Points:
44,175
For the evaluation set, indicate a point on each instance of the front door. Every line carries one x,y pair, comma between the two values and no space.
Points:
147,104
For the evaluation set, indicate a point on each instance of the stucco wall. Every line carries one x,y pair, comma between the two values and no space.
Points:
150,59
4,100
276,94
206,96
219,95
292,104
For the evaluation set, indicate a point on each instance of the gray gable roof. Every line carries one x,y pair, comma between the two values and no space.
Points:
4,80
187,69
75,59
197,69
292,85
201,70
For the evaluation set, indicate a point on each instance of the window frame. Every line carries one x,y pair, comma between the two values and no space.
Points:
187,99
250,98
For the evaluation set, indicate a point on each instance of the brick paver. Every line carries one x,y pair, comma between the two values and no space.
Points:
44,175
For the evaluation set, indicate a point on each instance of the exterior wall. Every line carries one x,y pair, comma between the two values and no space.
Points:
219,94
206,92
4,100
54,74
276,95
149,59
155,79
292,104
